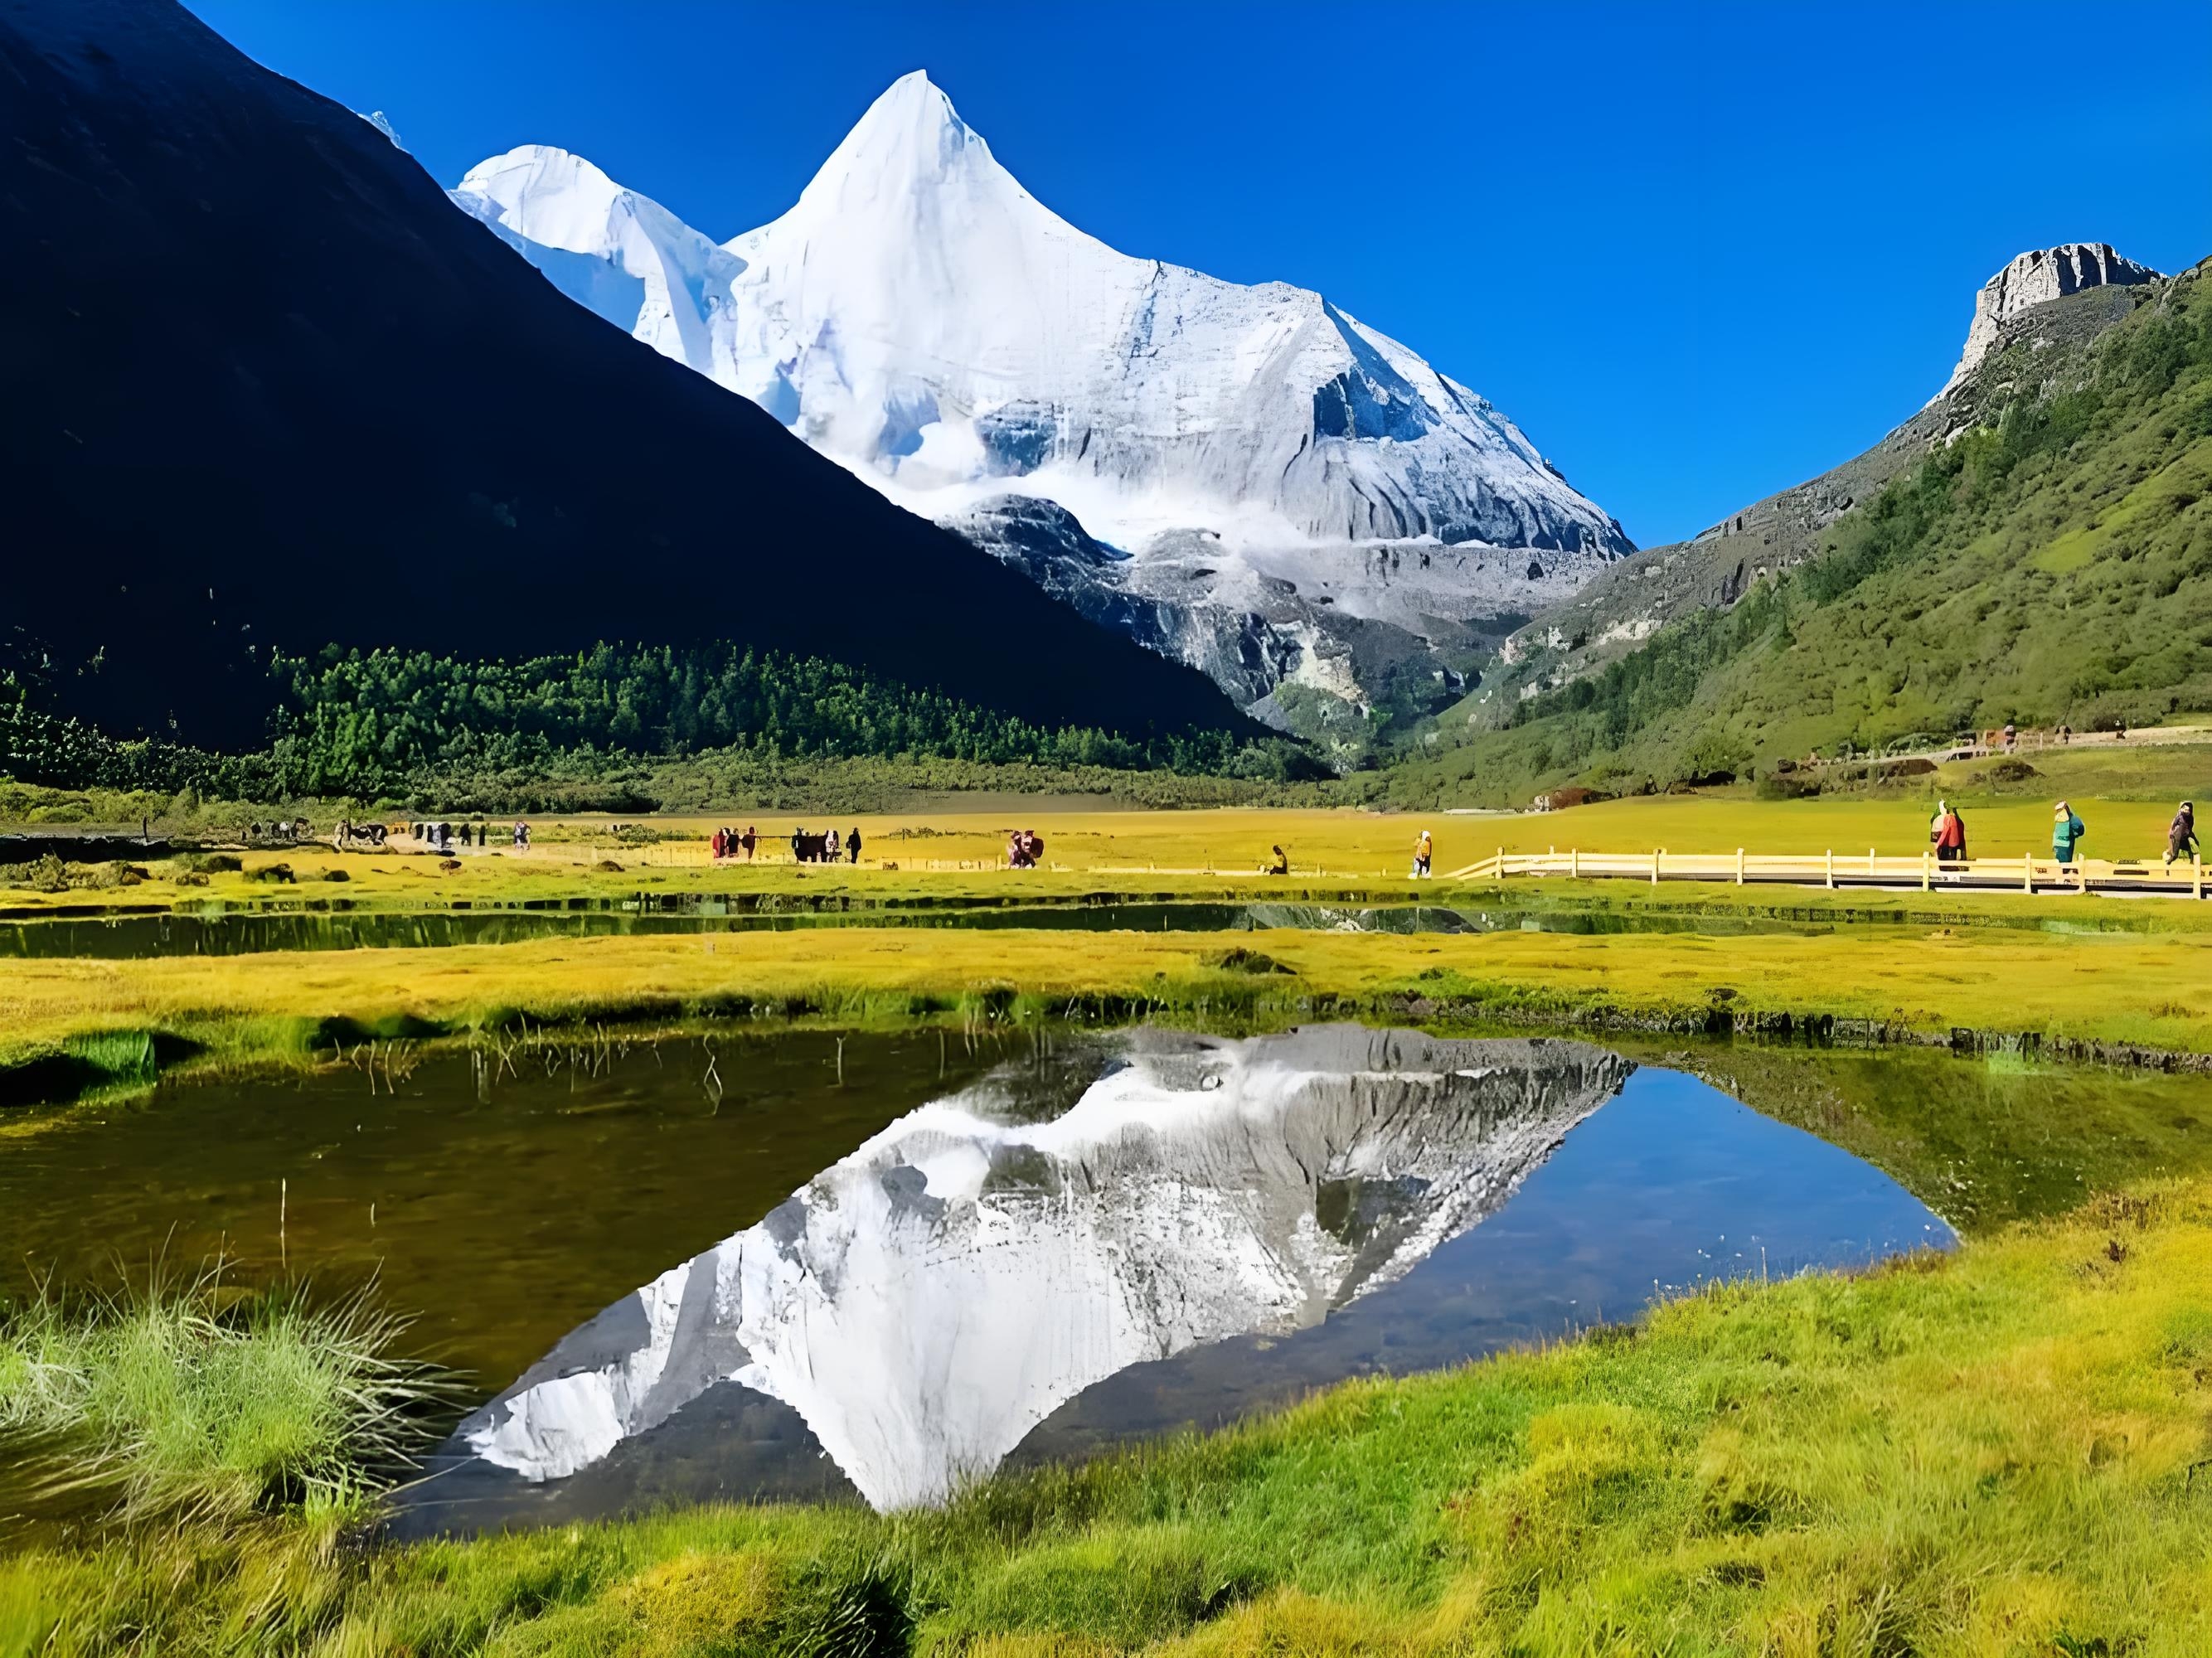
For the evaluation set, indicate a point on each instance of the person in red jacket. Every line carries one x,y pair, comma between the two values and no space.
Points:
1949,834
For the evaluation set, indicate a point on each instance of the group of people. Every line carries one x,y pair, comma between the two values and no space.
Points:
288,830
1024,849
440,837
827,847
1947,833
728,843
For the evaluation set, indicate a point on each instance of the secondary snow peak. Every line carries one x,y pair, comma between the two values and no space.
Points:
616,253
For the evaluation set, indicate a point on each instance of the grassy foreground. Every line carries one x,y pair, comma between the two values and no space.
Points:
2000,1452
132,1017
184,1398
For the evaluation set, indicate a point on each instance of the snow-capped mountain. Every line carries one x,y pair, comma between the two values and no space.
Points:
921,317
927,1301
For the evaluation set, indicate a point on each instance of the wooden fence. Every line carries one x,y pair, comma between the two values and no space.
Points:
1834,869
1830,869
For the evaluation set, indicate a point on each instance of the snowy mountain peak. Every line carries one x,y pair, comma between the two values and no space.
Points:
911,129
909,150
920,316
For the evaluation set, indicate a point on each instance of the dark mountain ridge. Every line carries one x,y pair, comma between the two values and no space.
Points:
266,389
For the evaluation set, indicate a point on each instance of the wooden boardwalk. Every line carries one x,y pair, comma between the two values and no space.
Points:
1835,870
1829,869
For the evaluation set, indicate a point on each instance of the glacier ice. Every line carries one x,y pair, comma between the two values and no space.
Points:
926,1302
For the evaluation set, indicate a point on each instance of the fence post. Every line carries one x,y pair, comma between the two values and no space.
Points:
1831,868
1501,866
1655,866
1574,863
2196,876
1869,860
2027,871
1738,866
1924,869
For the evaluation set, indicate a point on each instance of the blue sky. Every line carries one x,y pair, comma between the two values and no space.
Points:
1698,251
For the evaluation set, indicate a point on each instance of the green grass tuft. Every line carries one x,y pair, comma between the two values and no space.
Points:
191,1398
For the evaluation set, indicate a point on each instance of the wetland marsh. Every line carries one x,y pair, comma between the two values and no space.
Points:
1220,1241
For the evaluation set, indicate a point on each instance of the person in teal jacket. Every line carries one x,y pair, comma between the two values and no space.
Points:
2066,832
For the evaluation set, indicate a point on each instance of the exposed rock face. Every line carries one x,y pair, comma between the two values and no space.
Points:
1246,654
1364,624
926,1302
2037,277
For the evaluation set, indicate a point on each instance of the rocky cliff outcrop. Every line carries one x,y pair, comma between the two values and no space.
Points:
2037,277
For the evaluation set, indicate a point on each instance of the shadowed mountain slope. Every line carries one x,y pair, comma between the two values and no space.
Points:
266,388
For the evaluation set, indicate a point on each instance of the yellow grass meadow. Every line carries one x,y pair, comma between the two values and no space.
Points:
919,855
2152,989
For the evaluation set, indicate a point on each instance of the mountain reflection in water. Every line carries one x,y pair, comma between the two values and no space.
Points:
1156,1227
927,1301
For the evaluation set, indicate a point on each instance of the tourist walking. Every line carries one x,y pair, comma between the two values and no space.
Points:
832,848
749,839
852,845
2066,832
721,843
1424,852
1948,831
799,845
2181,835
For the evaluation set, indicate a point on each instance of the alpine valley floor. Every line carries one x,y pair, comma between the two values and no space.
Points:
1996,1449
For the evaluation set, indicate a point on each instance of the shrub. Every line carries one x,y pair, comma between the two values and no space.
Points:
1571,794
1241,960
1787,788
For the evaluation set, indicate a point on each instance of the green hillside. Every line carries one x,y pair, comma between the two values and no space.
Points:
2052,563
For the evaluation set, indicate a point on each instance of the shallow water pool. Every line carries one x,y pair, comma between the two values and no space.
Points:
878,1267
